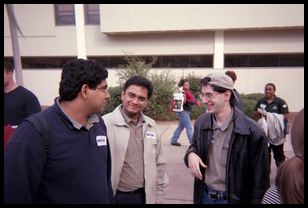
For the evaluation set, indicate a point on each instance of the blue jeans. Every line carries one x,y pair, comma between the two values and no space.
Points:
207,200
184,122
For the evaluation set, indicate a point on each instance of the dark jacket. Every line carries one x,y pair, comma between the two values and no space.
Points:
77,169
247,171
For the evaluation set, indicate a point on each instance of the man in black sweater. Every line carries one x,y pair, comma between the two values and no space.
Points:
77,167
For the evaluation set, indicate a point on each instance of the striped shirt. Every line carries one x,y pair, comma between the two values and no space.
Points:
271,196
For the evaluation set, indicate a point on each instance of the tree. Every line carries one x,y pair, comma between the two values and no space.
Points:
136,65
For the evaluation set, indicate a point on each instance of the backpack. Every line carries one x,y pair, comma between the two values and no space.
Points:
41,125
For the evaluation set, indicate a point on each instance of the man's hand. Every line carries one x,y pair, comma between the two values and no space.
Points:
262,112
194,162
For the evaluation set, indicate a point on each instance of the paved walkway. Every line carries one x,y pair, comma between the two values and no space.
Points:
180,188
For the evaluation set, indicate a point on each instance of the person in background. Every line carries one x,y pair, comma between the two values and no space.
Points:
289,183
138,163
228,156
19,102
238,102
184,116
273,104
77,167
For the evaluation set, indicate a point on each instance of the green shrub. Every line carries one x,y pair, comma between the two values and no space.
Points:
135,66
159,106
250,101
114,100
197,111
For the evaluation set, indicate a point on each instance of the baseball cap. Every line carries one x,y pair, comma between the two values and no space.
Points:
221,80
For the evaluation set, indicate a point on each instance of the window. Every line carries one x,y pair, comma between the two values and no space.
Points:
65,14
91,12
196,61
42,62
183,61
264,60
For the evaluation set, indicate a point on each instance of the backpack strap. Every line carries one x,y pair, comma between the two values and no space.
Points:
42,127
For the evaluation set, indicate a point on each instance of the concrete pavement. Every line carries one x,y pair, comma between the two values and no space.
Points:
180,188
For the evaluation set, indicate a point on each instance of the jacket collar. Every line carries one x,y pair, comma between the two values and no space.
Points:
239,120
119,120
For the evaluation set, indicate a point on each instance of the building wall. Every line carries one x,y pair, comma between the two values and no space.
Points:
187,17
169,30
42,37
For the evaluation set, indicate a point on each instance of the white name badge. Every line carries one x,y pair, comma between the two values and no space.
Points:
150,135
101,140
262,106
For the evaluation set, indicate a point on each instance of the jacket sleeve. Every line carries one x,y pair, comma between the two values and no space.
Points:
259,166
194,145
24,159
162,180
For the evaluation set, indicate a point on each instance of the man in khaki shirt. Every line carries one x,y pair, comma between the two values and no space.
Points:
138,163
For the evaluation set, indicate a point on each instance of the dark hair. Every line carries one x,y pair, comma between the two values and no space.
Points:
231,74
271,84
76,73
205,81
139,81
290,174
181,82
8,66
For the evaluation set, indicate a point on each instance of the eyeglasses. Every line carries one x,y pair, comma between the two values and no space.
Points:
133,96
103,89
207,95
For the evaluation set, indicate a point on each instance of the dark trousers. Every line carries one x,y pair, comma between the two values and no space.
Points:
132,197
278,154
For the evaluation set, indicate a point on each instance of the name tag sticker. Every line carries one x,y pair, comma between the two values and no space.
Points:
150,135
101,140
262,106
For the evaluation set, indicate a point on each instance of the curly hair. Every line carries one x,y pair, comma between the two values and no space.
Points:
139,81
76,73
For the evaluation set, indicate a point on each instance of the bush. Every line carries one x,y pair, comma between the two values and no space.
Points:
250,101
197,111
135,66
114,100
159,106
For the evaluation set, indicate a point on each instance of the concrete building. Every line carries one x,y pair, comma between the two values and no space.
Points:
261,43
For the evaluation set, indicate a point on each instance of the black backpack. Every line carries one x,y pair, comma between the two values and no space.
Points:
41,126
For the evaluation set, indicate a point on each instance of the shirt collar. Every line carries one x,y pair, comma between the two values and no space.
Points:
91,119
225,124
129,120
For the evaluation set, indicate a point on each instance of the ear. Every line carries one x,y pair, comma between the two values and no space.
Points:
228,94
84,91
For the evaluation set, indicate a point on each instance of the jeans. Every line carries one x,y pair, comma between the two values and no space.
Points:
207,200
184,122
